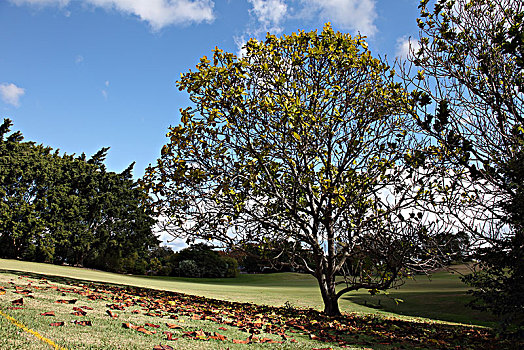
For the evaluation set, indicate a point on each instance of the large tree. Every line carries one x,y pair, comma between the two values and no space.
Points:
302,139
470,92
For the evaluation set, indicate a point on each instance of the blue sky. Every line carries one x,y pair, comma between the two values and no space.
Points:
79,75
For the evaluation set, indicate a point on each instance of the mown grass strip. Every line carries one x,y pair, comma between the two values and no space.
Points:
30,331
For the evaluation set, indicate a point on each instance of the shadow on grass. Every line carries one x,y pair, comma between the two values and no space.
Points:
443,306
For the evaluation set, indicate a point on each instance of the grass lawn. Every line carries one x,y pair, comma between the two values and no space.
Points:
41,311
443,297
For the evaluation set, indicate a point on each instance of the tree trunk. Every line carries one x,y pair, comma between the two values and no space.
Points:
329,296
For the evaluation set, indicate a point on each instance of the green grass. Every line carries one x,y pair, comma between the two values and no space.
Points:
105,332
441,298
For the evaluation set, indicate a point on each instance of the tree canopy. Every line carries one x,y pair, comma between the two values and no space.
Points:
303,139
66,208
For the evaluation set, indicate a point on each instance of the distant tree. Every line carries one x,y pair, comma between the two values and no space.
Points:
303,139
469,90
165,256
204,262
271,256
232,269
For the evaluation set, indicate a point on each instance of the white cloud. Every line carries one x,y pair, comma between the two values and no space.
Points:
354,15
107,83
405,46
269,13
157,13
240,41
11,93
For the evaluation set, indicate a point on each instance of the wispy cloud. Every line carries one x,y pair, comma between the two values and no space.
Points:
357,16
269,14
354,15
79,59
11,94
405,46
104,90
157,13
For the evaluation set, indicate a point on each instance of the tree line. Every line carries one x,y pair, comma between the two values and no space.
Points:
70,209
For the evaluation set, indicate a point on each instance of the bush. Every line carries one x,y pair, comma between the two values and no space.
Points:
232,266
208,262
188,268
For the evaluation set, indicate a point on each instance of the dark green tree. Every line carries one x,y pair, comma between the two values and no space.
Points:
62,208
22,170
206,262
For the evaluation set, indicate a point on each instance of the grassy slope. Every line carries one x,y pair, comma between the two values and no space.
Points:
441,298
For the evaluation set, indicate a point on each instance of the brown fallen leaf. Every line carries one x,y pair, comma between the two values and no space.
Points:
152,325
162,347
173,326
82,323
218,336
48,313
111,314
145,331
170,336
18,301
57,324
236,341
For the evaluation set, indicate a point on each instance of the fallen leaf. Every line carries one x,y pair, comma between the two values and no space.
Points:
57,324
79,313
48,313
82,323
145,331
18,301
162,347
218,336
152,325
173,326
170,336
111,314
